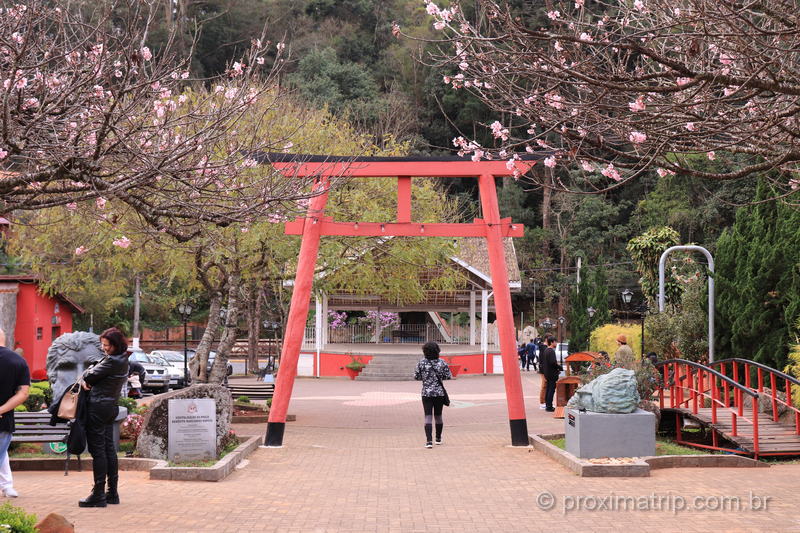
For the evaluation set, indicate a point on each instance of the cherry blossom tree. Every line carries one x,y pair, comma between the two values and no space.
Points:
89,114
616,88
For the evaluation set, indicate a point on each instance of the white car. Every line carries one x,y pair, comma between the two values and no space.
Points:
174,361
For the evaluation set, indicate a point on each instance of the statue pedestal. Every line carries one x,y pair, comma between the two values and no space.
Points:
590,435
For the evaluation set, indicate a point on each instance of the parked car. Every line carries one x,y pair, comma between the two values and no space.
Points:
156,378
174,360
211,356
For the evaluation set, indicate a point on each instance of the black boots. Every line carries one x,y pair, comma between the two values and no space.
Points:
97,498
112,496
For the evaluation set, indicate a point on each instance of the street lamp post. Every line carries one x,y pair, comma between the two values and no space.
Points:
561,321
185,310
643,309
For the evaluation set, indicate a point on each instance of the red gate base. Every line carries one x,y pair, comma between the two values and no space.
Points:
275,434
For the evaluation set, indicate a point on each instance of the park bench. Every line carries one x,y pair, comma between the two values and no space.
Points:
35,427
254,391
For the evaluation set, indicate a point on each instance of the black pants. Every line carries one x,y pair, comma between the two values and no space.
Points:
433,405
100,441
549,393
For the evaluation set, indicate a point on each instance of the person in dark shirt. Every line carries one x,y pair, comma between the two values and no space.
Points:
551,370
539,341
15,381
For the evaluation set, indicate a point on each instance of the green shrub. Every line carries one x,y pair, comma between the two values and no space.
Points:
21,407
243,399
15,520
35,399
269,402
604,338
46,389
129,404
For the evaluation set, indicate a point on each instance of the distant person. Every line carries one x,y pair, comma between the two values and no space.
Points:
543,382
624,355
15,382
530,351
652,357
550,370
136,374
522,352
104,382
431,371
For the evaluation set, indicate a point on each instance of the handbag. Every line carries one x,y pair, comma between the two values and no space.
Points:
446,396
68,407
76,439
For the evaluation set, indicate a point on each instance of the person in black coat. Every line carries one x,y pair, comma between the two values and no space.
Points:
551,369
104,382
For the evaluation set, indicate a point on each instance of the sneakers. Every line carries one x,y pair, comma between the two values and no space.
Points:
438,442
542,406
10,492
429,444
550,410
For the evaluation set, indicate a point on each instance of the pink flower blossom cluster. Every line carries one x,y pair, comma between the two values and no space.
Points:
337,320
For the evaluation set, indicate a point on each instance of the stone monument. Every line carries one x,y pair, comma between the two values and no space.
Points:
603,419
153,441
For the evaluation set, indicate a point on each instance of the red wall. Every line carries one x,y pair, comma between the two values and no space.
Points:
332,363
35,310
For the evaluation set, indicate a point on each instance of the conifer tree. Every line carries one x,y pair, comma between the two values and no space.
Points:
578,318
758,282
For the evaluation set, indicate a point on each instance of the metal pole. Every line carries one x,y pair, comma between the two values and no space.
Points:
185,350
661,297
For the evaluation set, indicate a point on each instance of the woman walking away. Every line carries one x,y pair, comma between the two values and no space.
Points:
104,382
431,371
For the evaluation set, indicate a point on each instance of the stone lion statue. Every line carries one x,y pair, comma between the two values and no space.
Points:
615,392
68,356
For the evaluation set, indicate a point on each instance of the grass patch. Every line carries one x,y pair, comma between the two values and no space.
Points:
663,447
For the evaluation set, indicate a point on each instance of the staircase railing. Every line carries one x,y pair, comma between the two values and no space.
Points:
690,384
743,369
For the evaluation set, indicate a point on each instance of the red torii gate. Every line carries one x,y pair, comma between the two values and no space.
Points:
315,224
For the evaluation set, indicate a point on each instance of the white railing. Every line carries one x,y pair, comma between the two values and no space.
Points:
402,334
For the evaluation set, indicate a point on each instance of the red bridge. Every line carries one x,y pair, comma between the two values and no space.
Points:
727,398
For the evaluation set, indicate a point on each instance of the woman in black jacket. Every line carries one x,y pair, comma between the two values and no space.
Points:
431,371
104,382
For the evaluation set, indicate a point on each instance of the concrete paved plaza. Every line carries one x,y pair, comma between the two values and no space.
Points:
354,461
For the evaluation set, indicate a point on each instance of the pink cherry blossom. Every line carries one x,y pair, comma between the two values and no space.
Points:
463,65
553,15
122,242
585,37
558,47
100,202
711,156
147,55
794,184
690,126
587,166
637,105
499,131
21,83
439,25
478,155
637,137
639,5
553,100
578,4
663,172
611,172
17,37
97,91
72,206
683,81
3,154
550,162
432,9
80,250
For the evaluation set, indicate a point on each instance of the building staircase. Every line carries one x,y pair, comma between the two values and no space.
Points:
390,367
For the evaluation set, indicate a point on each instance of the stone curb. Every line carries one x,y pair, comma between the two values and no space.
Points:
48,464
222,469
585,468
640,468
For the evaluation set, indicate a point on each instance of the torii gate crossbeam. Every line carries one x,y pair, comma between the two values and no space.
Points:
315,224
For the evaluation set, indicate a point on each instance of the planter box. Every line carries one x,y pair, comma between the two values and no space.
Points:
353,373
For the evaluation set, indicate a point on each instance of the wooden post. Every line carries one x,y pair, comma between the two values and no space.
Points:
503,310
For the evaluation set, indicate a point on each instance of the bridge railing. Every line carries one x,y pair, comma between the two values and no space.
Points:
690,384
743,369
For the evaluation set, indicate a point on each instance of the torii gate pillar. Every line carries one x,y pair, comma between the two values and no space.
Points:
315,224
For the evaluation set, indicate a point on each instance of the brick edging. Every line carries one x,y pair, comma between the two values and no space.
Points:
642,467
222,469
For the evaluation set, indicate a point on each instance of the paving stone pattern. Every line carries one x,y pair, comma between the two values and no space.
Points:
354,461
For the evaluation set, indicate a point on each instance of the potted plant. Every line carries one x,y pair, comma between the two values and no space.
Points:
354,367
454,369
